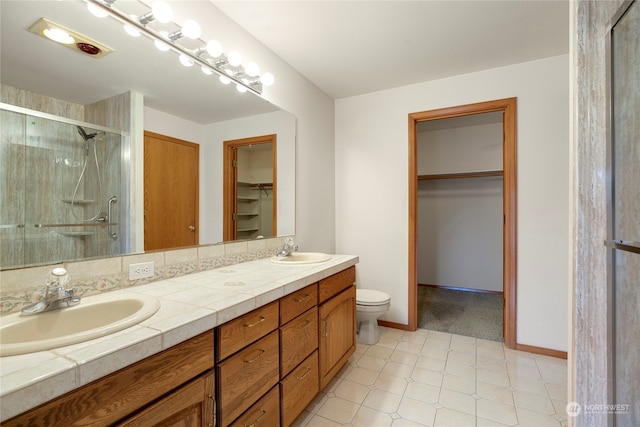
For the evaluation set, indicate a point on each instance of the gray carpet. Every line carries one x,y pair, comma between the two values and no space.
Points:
471,314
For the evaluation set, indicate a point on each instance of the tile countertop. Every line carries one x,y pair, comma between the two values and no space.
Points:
189,305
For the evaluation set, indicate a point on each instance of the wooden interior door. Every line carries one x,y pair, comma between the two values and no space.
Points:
171,178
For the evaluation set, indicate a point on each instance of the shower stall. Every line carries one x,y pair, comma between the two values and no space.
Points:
60,189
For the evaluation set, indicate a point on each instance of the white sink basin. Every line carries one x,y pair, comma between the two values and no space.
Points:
94,317
301,258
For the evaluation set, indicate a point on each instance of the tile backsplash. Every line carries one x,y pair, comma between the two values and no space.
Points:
25,286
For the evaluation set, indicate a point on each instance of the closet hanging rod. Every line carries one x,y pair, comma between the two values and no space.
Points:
458,175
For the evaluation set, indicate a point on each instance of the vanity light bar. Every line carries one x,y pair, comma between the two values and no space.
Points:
240,77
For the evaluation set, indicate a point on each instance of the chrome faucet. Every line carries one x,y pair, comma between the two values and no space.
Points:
287,248
56,296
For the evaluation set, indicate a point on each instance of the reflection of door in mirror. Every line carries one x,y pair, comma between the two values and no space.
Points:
249,188
170,192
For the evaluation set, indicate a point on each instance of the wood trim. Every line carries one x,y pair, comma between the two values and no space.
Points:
542,350
508,107
479,174
455,288
395,325
230,177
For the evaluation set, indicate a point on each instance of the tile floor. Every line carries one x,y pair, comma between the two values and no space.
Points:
428,378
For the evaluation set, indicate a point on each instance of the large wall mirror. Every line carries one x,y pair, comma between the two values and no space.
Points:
71,184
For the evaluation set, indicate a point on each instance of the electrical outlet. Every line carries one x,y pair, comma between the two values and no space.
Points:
141,270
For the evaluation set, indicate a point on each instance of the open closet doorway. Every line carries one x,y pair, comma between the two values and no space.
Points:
249,199
490,178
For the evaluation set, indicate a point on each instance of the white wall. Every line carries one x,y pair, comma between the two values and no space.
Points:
372,185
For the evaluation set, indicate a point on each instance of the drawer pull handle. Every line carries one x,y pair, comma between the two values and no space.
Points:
213,405
250,325
303,376
303,298
326,328
255,358
257,419
304,325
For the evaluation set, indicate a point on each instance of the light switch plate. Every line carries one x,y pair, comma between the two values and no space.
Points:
141,270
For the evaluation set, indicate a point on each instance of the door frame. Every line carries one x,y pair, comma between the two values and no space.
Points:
230,182
509,164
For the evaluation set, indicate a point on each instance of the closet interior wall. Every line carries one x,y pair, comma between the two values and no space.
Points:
460,202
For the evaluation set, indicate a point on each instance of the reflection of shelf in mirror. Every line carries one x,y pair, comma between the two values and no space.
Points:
246,230
247,214
78,201
76,233
247,199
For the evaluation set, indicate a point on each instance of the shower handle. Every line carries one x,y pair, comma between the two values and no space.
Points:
112,200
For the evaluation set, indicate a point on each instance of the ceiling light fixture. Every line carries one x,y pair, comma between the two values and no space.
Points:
69,38
229,68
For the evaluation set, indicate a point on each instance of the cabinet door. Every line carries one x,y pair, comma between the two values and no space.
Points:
337,333
191,405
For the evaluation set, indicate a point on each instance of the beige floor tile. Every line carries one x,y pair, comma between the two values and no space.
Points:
444,336
448,418
434,364
318,421
492,352
379,352
396,369
458,401
414,338
391,384
303,419
492,377
528,418
553,376
427,376
401,422
492,364
317,402
382,401
352,391
404,357
434,352
415,410
561,409
338,410
529,385
488,343
423,392
481,422
460,369
362,376
388,342
533,402
461,357
463,339
557,391
372,363
409,347
495,393
462,346
498,412
368,417
527,371
460,384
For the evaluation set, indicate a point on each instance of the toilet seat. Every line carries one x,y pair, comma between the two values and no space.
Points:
371,297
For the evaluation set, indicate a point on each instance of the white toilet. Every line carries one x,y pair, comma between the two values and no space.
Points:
370,304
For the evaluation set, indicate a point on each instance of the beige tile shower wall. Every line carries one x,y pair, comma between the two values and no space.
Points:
35,101
591,299
24,286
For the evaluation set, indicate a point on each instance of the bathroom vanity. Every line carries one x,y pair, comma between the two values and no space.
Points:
256,355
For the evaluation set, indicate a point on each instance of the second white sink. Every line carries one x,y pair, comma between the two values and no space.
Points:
302,258
94,317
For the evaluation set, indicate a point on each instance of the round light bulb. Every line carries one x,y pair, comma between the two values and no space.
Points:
267,79
186,61
235,58
214,48
252,69
191,29
96,10
162,12
225,80
58,35
206,70
241,88
129,29
160,45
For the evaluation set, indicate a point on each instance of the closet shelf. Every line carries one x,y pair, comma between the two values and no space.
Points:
247,199
478,174
246,230
78,201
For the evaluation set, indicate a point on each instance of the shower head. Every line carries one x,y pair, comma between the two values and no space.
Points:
85,135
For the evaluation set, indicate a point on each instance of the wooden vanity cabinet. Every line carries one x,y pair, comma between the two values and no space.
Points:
337,323
160,389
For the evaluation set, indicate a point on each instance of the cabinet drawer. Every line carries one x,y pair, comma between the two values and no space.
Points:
265,412
298,339
246,376
298,302
240,332
299,388
333,285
